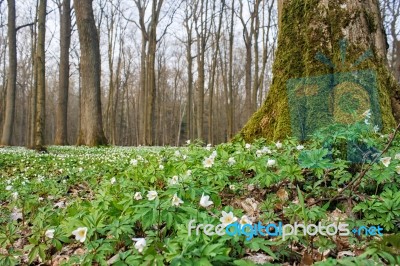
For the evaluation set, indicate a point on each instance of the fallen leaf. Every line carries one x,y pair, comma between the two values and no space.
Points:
343,254
259,258
282,194
60,260
306,259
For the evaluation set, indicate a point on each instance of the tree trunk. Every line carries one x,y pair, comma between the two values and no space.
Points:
211,84
41,78
11,76
203,32
142,92
189,59
308,29
151,90
62,106
33,100
397,62
91,131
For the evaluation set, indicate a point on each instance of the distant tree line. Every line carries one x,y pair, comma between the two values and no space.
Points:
130,72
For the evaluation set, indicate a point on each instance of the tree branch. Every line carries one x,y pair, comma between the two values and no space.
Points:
25,25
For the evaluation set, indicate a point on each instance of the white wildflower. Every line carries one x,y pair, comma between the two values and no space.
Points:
245,220
385,161
50,233
176,201
208,162
398,169
14,195
271,162
152,195
278,145
227,218
174,180
140,244
300,147
231,161
205,201
80,234
138,196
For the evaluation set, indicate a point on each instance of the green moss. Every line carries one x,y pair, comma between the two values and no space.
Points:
301,37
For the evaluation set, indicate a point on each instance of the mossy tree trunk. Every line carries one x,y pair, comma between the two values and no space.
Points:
311,27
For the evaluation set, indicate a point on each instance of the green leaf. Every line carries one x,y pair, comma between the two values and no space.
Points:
33,254
244,263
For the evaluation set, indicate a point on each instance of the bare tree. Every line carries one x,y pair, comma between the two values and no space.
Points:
41,77
215,52
226,59
202,27
250,36
91,129
391,17
65,41
188,24
11,77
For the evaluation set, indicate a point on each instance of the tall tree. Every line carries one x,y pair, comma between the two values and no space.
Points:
91,124
391,14
311,27
188,25
250,36
11,76
65,41
226,66
215,52
202,27
41,77
148,66
33,82
113,23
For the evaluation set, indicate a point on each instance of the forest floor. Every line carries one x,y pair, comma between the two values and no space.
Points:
135,206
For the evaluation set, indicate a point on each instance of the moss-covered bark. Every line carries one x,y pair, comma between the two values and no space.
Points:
311,27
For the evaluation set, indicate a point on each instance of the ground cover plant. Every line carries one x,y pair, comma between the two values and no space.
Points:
132,206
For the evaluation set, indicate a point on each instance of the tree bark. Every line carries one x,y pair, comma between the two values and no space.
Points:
62,105
211,85
91,131
309,27
397,63
33,94
11,76
188,24
41,78
202,32
231,111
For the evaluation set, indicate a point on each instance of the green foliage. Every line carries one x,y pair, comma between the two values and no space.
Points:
106,190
